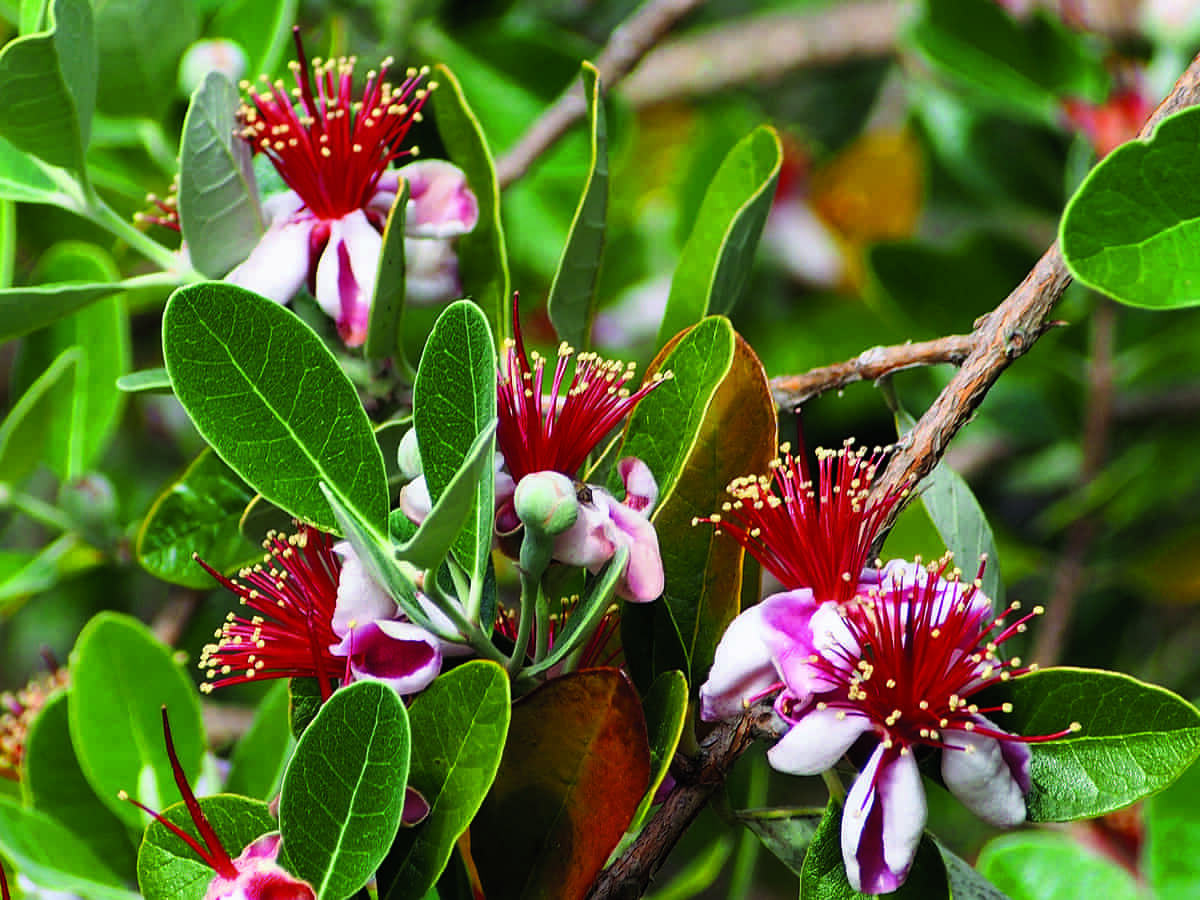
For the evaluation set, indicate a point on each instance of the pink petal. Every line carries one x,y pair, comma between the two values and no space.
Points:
430,271
818,740
641,490
883,821
643,579
787,634
346,274
741,671
440,203
399,654
977,772
359,598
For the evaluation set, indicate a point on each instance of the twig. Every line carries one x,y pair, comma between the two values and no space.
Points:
763,49
172,619
1069,574
789,391
631,41
1005,334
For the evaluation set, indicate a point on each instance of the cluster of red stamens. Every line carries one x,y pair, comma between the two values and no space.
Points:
541,430
166,209
293,594
810,535
600,648
329,147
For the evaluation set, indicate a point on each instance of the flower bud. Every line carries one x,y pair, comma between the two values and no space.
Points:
409,456
546,503
216,55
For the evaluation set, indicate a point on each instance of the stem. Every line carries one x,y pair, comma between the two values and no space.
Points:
542,629
468,631
41,512
833,781
104,216
529,598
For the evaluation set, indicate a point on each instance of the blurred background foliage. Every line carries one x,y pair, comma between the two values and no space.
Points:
930,148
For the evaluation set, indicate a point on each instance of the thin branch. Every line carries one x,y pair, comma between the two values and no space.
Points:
789,391
1004,335
631,41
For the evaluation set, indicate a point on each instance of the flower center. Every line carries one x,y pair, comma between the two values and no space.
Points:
329,147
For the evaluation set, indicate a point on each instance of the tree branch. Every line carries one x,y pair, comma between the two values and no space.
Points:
631,41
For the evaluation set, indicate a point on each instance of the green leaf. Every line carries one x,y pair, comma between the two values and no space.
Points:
458,724
52,857
121,674
48,81
714,266
140,43
262,753
703,570
54,784
168,869
823,876
454,401
385,330
273,402
218,198
24,430
574,770
1172,834
149,380
785,832
698,363
1024,66
26,309
960,521
1132,228
262,29
84,418
344,789
23,575
665,707
26,179
481,255
1135,739
572,301
197,514
304,702
1047,866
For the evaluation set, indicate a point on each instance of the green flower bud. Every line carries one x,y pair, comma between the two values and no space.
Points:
546,503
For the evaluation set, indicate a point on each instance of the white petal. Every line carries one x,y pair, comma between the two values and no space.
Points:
741,669
818,740
430,271
359,598
278,265
441,205
415,500
346,280
975,770
888,787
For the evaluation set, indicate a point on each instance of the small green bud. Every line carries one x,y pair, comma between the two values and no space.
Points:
546,503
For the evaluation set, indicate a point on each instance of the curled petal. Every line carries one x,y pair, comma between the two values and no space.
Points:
400,654
741,671
818,739
978,772
440,203
430,271
415,500
787,634
591,541
359,598
641,490
259,876
643,579
278,264
346,274
883,821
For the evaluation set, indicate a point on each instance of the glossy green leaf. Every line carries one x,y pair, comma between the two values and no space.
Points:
262,29
785,832
961,523
140,43
1021,66
121,673
148,380
197,514
54,784
24,431
966,883
48,82
575,767
459,724
482,259
26,179
665,707
572,301
454,402
344,789
1169,857
218,198
262,753
168,869
703,569
84,418
52,857
26,309
823,876
1132,228
304,702
698,363
385,326
714,265
273,402
1048,866
1135,739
